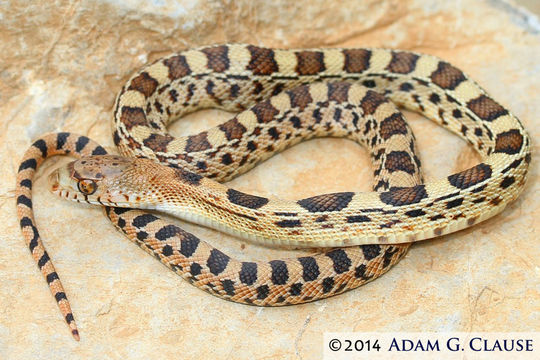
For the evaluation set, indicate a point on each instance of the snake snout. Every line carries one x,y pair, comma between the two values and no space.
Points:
54,181
61,184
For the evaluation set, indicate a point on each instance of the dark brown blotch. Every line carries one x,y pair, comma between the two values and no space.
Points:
309,62
390,224
356,60
233,129
402,62
447,76
158,142
486,108
218,58
133,116
399,161
227,159
338,91
509,142
470,177
178,67
217,261
401,196
264,111
340,259
371,102
198,142
327,202
300,97
144,83
310,268
262,61
393,125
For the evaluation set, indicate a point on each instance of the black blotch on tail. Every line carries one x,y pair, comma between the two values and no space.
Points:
195,269
28,164
328,284
166,232
59,296
358,218
143,220
360,272
99,150
22,199
189,244
371,251
52,277
228,286
310,268
248,273
262,292
454,203
280,272
217,261
26,183
340,259
42,146
43,260
296,289
167,250
81,142
61,139
415,213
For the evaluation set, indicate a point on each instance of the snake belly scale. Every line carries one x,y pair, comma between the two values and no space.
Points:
235,77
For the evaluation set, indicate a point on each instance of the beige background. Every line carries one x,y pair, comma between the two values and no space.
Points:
61,66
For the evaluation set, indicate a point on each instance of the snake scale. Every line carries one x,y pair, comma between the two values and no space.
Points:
278,111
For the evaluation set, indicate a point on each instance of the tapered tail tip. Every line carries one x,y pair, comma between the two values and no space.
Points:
75,334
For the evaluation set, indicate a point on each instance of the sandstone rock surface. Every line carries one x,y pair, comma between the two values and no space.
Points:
62,64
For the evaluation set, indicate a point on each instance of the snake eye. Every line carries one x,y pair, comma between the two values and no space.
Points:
87,187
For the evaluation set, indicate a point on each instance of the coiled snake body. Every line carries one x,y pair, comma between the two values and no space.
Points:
235,77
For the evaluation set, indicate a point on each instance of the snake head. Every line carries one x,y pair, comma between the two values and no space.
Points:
101,180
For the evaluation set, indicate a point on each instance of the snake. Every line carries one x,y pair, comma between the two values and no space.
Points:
276,90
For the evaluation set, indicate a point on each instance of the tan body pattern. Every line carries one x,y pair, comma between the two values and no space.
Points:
236,77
